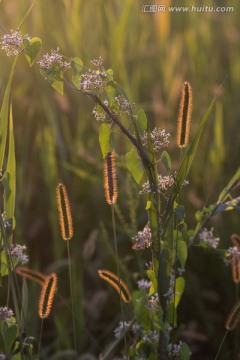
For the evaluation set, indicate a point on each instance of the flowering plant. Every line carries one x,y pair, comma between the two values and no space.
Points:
150,332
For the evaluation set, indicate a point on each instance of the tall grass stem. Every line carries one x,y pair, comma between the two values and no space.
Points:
220,347
72,303
118,272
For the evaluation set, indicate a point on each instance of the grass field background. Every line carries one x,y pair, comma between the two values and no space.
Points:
57,140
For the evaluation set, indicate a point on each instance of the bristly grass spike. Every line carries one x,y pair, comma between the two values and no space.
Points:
110,182
64,211
47,294
184,117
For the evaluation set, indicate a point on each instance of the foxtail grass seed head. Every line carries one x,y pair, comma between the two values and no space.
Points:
233,318
236,240
117,283
47,294
110,183
31,274
64,212
235,263
184,117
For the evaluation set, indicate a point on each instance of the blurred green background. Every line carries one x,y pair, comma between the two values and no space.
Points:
57,140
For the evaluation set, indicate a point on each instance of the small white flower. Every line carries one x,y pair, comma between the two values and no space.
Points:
7,314
48,61
173,350
164,182
93,80
151,337
18,251
12,43
180,271
233,250
3,356
124,105
144,284
208,237
97,62
143,239
160,138
153,302
231,253
170,293
122,326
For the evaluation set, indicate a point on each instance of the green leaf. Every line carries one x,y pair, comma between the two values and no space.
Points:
179,211
110,91
109,73
171,314
76,65
9,178
179,289
142,121
9,336
105,139
32,48
152,278
54,77
184,353
4,264
166,160
182,252
17,357
4,115
148,205
134,165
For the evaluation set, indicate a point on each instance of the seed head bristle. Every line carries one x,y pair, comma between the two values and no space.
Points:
117,283
64,212
110,183
184,117
233,318
31,274
47,294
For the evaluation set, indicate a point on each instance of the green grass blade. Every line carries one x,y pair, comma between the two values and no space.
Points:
4,115
9,178
186,163
234,181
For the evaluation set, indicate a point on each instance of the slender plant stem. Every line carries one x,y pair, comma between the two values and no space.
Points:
220,347
118,272
40,340
13,285
236,338
71,290
8,291
175,250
